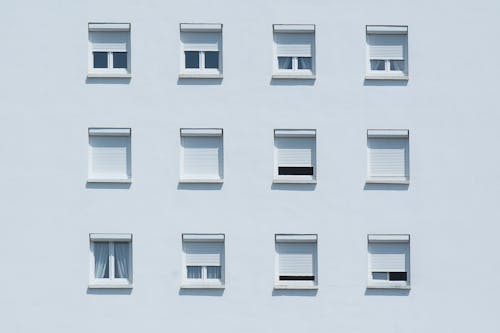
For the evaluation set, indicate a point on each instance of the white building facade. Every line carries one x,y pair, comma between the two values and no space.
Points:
252,166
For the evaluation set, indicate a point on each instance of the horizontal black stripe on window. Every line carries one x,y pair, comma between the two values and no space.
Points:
296,278
397,276
295,171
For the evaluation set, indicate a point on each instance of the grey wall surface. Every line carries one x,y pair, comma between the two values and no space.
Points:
450,208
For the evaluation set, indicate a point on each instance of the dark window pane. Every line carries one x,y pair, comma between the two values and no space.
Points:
379,275
296,278
397,65
119,59
305,63
100,59
397,276
211,59
285,62
297,171
213,272
194,272
192,59
377,65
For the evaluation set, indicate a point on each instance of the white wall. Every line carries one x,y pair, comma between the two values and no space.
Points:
450,106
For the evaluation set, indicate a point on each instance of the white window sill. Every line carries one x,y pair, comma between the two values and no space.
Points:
200,76
202,286
294,181
294,287
388,181
387,77
110,180
110,75
110,285
200,181
293,76
388,286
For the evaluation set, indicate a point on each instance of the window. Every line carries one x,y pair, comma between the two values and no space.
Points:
109,155
111,261
389,261
294,51
201,50
203,260
387,48
109,47
294,156
201,155
296,262
388,160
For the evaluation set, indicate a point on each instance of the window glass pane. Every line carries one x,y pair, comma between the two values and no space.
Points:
305,62
397,276
397,65
379,275
119,59
194,272
295,171
213,272
192,59
377,65
101,258
100,59
285,62
122,259
212,59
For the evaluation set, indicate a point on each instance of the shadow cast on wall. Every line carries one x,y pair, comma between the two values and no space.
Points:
198,82
107,80
386,187
108,186
386,292
292,82
199,186
201,292
110,291
388,83
295,292
293,187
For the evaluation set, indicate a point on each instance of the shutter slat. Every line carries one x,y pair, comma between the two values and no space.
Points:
203,253
294,44
202,156
296,259
385,257
294,151
388,157
109,156
387,47
201,41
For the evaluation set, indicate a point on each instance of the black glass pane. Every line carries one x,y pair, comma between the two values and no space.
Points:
192,59
119,59
296,278
100,59
211,59
296,171
397,276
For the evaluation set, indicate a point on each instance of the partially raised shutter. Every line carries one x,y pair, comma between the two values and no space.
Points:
201,41
109,41
387,47
203,253
294,44
296,259
388,257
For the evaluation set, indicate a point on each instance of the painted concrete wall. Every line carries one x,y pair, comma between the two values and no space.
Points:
450,208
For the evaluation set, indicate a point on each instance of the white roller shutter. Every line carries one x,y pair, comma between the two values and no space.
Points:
109,157
201,41
388,158
201,157
389,257
296,259
387,47
295,151
294,44
203,253
109,41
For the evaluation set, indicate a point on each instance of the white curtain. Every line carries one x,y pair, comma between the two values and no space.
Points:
121,259
305,62
377,65
101,257
213,272
194,272
285,62
397,65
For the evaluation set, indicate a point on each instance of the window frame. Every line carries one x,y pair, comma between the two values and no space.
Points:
294,179
389,239
111,282
110,71
204,282
294,72
386,74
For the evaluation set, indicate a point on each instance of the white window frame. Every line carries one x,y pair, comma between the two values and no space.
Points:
202,132
391,239
387,74
203,283
109,72
388,134
295,179
295,72
111,282
201,72
295,239
123,132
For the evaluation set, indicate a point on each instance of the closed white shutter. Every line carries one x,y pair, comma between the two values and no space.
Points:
295,151
109,157
296,259
294,44
388,158
201,157
389,257
201,41
387,47
109,41
203,253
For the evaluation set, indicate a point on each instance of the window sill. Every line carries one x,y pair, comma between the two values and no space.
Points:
202,286
294,287
294,76
388,181
388,286
200,181
109,75
387,77
294,181
200,76
110,286
106,180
